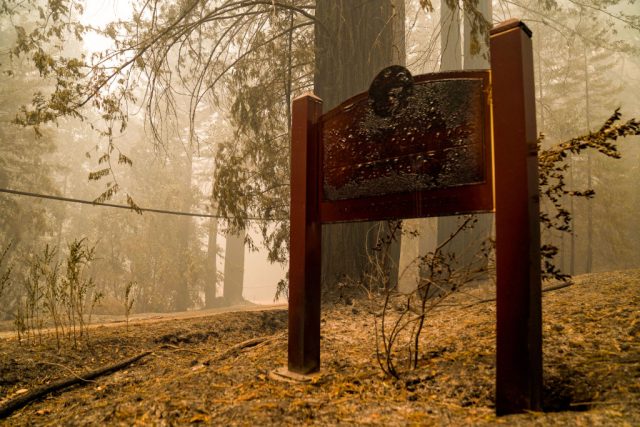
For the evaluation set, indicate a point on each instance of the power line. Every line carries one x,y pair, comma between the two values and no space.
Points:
113,205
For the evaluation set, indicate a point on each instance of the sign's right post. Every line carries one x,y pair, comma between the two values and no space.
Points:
517,206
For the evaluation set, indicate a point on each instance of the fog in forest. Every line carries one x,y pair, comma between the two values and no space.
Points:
319,212
198,124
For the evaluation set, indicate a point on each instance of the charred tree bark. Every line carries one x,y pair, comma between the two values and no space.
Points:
353,42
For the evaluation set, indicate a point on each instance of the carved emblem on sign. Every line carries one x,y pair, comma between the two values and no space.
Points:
391,91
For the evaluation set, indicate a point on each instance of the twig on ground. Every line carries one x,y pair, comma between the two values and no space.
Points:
604,402
547,289
66,368
558,286
253,342
14,404
177,348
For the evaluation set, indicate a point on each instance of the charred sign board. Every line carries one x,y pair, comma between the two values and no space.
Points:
433,139
417,144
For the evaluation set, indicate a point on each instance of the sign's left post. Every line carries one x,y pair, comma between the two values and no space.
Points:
305,236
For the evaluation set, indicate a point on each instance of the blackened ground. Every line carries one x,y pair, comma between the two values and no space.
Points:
591,367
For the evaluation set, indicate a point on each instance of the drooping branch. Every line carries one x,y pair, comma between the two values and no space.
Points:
553,187
597,36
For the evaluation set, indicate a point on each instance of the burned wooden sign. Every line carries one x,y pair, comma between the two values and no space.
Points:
406,136
437,144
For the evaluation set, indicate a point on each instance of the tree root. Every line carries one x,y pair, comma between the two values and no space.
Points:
14,404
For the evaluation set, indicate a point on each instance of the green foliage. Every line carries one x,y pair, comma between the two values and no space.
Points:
193,53
76,288
479,26
399,318
581,52
282,288
25,161
171,49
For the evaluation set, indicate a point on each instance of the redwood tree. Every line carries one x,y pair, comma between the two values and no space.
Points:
353,42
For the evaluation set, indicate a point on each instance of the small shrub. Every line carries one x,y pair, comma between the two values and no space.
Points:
5,272
129,300
400,321
76,295
46,298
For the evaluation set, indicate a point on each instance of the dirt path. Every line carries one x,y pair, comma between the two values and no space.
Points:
6,327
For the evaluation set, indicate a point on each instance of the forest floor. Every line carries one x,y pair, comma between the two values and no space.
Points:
197,373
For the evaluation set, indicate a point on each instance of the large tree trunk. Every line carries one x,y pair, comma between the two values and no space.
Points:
589,257
353,42
467,244
182,295
450,42
432,231
234,268
211,279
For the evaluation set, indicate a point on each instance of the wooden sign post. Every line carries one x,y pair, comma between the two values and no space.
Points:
517,207
431,145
